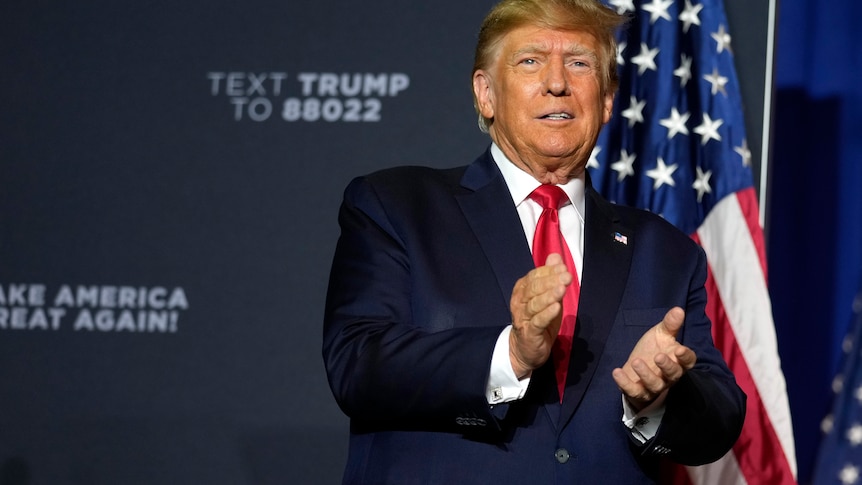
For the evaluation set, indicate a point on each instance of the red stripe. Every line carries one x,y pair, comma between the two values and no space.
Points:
758,450
673,474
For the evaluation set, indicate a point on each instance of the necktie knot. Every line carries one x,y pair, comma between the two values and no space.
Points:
549,196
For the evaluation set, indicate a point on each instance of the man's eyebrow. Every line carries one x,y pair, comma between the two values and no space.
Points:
532,49
574,50
579,50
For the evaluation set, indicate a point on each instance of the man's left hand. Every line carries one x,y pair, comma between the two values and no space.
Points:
657,362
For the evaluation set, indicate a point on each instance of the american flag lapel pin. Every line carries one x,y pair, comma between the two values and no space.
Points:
621,239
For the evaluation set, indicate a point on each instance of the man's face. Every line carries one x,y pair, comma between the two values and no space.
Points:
544,95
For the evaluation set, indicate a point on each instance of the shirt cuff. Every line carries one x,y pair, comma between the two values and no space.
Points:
644,425
503,384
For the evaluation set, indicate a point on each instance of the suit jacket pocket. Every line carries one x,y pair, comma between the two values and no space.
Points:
646,317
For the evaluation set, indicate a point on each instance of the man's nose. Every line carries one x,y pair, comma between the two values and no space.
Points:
556,81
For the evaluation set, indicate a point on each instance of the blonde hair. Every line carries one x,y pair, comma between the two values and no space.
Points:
584,15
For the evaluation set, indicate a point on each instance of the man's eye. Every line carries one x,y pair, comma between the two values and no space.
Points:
528,61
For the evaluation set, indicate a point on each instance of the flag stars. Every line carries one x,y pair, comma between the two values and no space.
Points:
689,17
621,47
847,343
858,394
854,434
701,185
625,165
722,38
658,8
675,123
623,6
634,113
683,72
827,424
594,158
718,82
662,174
645,59
744,152
708,130
849,474
837,383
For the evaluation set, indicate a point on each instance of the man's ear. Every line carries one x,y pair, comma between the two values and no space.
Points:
483,93
609,107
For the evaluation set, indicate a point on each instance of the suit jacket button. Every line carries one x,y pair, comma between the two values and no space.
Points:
562,455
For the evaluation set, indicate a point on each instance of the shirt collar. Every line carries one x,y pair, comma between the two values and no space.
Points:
521,184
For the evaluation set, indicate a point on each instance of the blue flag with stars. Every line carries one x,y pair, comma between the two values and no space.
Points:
676,145
839,459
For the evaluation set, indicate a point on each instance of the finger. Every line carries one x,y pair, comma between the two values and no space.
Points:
625,383
651,379
553,285
670,369
538,285
555,263
685,357
541,302
548,320
633,389
547,269
672,321
554,259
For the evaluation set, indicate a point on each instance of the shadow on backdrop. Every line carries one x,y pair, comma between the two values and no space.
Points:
802,281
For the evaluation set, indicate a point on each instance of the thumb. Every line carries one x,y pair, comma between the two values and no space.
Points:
672,320
554,258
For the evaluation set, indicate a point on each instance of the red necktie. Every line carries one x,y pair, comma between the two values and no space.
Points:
548,239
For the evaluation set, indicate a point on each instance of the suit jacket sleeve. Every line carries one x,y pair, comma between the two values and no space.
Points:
386,359
705,410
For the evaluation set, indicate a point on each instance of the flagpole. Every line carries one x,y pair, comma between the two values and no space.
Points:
768,89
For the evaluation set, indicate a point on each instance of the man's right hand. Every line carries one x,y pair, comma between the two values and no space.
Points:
537,309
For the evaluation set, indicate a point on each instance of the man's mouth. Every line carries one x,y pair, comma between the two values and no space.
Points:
557,116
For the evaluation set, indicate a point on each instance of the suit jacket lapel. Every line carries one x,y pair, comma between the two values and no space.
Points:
488,208
605,271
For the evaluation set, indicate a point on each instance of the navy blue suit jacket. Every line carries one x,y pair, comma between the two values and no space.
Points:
418,294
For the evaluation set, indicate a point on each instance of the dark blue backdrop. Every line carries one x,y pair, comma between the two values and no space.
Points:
815,211
197,147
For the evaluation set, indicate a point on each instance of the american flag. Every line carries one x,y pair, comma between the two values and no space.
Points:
677,147
839,459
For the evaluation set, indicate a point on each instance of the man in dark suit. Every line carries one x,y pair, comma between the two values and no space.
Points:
443,337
